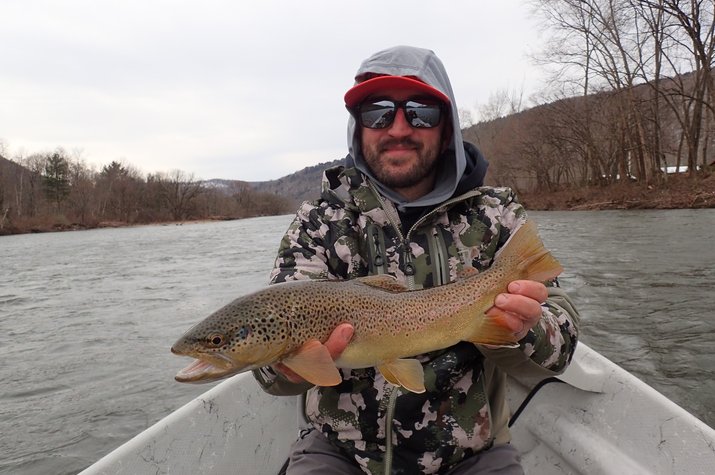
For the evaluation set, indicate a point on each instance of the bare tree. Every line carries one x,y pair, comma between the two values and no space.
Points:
465,119
82,191
179,191
502,103
692,28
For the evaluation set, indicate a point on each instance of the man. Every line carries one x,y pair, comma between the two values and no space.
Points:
409,202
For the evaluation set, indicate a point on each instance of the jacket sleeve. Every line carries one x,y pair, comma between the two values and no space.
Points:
302,253
549,346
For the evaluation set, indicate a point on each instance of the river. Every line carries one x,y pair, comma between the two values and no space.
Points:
87,318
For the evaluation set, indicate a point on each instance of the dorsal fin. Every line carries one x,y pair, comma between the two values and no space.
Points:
383,282
467,271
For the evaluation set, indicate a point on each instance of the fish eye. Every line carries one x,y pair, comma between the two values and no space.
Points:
216,340
243,332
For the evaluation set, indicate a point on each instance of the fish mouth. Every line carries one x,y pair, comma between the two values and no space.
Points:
202,371
207,368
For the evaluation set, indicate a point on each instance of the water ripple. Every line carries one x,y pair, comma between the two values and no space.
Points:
88,317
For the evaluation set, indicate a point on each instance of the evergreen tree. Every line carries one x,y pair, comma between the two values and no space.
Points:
56,178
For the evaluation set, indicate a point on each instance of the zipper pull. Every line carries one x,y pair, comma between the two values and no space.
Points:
379,261
409,266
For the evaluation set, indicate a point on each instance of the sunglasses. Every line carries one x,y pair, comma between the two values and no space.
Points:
380,113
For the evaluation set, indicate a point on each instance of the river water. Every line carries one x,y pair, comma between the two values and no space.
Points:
87,318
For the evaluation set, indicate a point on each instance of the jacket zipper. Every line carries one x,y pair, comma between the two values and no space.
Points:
395,222
405,238
410,273
389,416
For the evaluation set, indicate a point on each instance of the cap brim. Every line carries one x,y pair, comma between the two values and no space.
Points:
373,86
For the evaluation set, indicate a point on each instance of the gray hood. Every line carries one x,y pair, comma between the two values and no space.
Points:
426,66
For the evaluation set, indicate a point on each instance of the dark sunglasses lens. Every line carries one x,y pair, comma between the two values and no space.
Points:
421,115
380,114
377,115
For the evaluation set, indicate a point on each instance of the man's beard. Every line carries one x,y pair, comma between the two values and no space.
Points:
423,167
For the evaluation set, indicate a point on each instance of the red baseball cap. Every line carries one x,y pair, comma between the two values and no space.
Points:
374,85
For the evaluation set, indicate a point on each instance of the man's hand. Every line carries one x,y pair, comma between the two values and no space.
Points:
336,343
521,305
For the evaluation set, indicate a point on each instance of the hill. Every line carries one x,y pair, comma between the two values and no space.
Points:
303,185
677,191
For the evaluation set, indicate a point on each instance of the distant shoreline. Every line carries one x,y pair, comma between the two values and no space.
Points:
678,192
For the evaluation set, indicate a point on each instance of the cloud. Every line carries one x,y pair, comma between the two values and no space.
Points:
227,89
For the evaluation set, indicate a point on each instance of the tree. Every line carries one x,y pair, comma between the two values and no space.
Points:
120,189
56,178
692,28
179,191
81,197
465,119
502,103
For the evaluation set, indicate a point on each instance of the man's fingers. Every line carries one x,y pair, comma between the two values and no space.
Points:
513,322
529,288
525,307
339,339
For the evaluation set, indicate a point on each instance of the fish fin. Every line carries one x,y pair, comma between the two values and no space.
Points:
493,331
525,252
406,372
313,363
383,282
467,271
534,261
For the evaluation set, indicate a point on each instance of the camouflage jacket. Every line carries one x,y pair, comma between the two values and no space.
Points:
352,231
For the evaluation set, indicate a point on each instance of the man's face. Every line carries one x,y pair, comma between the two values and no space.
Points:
402,157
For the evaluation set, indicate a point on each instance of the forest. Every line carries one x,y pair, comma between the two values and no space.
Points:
631,97
53,191
629,108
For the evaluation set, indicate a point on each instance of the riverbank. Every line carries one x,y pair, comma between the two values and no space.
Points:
678,192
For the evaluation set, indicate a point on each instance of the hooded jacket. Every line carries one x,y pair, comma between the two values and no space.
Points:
358,228
458,170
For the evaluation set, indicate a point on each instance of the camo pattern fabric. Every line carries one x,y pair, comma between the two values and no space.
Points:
351,232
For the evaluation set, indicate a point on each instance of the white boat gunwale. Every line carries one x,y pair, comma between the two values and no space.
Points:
603,420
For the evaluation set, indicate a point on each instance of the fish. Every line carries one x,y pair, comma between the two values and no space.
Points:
289,322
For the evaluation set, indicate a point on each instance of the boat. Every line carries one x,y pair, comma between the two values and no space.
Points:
596,418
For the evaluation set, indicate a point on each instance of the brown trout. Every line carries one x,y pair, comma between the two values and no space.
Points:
289,322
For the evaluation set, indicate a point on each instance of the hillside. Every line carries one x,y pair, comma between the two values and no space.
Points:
303,185
677,191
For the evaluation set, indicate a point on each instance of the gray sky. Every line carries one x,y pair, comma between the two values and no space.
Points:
248,90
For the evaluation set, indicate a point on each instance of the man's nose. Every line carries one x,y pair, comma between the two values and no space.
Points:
400,127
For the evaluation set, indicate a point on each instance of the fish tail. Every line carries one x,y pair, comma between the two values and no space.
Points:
527,250
524,252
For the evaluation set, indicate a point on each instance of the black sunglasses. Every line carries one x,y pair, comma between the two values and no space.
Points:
380,113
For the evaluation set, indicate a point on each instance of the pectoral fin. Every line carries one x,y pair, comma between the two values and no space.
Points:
314,364
407,373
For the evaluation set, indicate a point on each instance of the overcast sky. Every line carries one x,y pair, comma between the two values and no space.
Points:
229,89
